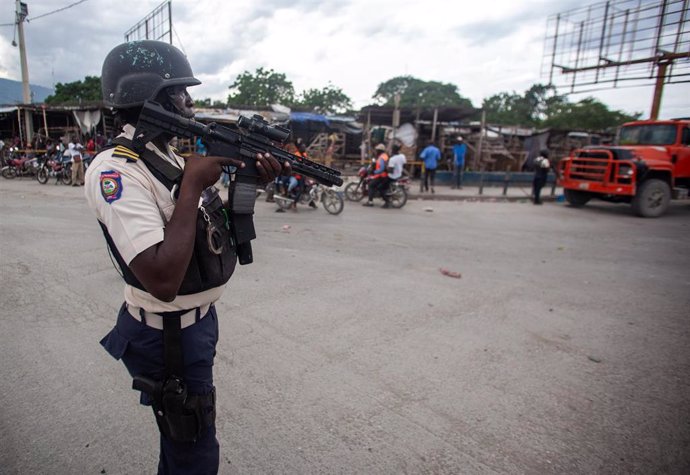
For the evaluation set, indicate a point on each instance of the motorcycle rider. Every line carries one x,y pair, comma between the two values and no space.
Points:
379,181
396,164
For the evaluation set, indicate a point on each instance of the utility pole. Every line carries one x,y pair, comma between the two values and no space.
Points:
22,13
661,67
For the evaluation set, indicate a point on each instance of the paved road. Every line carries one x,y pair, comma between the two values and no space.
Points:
563,348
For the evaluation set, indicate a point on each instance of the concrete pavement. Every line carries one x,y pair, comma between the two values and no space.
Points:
563,346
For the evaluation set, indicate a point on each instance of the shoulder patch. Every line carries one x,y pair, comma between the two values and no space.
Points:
111,185
123,152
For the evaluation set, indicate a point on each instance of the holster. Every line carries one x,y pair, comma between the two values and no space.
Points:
180,416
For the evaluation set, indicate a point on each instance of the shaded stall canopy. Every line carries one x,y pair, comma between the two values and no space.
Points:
54,121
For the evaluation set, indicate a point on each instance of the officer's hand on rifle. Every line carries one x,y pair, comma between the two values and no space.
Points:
203,172
269,168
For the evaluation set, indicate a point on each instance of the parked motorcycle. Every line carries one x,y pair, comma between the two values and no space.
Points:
55,167
18,165
314,192
397,189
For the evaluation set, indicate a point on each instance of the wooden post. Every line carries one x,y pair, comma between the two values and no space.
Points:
478,158
433,126
396,118
366,139
19,121
45,122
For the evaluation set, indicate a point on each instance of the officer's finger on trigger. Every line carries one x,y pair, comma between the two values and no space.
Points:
224,161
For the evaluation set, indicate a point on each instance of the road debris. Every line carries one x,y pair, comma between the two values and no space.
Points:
450,273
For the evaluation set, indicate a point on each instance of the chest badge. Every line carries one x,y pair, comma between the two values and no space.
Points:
111,185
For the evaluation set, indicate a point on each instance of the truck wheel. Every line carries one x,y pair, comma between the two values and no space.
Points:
577,198
652,198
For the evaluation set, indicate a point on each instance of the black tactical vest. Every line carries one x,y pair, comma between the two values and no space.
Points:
214,255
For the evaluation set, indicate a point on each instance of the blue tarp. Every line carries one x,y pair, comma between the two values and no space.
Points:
308,117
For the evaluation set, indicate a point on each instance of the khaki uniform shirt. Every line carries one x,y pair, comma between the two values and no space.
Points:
135,207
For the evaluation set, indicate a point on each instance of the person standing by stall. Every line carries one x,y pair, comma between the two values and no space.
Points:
459,152
430,155
541,173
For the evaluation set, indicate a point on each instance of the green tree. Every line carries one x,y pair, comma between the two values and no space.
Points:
542,106
261,88
506,108
531,108
418,93
587,114
87,90
329,100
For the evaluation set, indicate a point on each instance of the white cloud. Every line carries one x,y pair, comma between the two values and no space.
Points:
482,47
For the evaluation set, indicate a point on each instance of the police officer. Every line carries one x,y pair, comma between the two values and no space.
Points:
167,228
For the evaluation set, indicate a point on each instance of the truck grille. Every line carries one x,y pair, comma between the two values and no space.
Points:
602,167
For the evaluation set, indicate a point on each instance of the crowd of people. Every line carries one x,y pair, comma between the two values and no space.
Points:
71,149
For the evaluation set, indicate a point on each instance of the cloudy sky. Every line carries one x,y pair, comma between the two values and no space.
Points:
483,47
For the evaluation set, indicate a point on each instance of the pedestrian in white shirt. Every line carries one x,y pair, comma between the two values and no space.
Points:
74,149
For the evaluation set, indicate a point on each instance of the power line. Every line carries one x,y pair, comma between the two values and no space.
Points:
46,14
56,11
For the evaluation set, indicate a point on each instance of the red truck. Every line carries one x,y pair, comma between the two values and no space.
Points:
649,166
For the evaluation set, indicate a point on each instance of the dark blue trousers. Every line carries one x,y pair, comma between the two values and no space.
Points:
141,349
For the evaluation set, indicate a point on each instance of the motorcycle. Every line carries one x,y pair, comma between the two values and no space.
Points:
397,189
313,193
18,166
55,167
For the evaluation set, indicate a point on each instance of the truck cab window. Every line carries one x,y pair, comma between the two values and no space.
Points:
686,136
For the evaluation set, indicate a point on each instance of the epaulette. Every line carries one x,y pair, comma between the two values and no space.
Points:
123,152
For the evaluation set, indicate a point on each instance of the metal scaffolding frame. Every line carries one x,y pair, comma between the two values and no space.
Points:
639,42
157,25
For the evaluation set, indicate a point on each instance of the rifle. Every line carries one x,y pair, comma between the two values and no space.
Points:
254,136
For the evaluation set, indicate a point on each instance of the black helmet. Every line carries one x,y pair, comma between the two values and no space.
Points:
544,152
136,71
